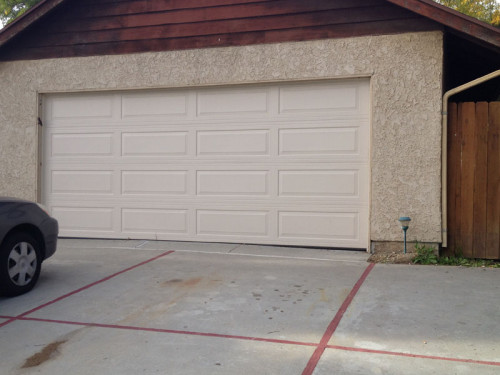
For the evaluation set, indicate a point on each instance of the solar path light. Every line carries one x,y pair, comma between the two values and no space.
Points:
404,221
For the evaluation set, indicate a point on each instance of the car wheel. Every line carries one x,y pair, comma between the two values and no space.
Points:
20,264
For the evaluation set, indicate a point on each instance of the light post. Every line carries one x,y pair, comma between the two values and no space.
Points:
404,221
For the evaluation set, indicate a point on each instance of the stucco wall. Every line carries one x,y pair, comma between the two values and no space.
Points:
405,71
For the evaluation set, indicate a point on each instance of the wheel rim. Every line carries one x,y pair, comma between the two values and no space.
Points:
22,263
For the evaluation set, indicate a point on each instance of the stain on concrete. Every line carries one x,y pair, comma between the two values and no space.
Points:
191,282
182,283
323,296
49,352
344,293
172,292
257,296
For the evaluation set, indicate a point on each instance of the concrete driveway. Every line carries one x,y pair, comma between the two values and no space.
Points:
144,307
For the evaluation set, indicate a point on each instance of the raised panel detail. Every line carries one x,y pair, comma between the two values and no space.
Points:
82,145
318,183
154,182
232,182
154,104
319,225
154,220
154,144
231,101
82,182
75,107
84,219
232,223
233,142
321,141
317,97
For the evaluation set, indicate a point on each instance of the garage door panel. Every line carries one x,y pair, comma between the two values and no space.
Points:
230,101
233,142
319,225
83,107
160,144
232,223
232,183
155,105
82,145
278,164
155,182
82,182
154,221
84,219
321,97
327,183
319,141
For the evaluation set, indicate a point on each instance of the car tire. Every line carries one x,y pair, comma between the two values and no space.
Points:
20,264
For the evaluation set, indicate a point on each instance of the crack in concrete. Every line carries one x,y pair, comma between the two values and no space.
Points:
141,244
234,248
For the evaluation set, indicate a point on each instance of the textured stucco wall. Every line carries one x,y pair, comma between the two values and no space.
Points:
405,71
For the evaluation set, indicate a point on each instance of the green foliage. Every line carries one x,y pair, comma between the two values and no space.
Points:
466,262
484,10
11,9
426,255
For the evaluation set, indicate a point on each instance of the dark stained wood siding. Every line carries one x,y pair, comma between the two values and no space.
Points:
98,27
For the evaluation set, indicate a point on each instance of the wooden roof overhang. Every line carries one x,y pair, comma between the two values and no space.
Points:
456,22
452,21
27,19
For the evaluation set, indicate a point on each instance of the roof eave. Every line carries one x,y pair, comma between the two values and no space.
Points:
28,18
458,22
453,20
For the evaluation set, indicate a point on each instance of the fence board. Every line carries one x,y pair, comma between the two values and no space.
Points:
454,176
480,179
493,208
468,117
474,180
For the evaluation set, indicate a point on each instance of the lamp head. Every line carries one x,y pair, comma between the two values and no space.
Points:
404,221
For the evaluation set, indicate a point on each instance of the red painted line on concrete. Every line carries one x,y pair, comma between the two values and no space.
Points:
313,361
172,331
7,322
422,356
258,339
87,287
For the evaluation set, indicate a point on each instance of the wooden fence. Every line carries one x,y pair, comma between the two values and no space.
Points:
474,180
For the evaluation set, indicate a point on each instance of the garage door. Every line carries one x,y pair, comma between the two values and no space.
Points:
268,164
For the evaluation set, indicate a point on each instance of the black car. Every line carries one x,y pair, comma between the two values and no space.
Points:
28,236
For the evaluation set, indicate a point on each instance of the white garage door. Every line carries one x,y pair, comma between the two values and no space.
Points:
268,164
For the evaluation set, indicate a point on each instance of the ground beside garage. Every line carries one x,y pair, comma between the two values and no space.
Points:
133,307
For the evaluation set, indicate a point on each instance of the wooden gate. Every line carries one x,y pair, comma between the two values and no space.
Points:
474,180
